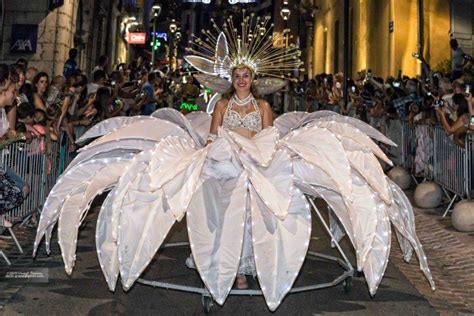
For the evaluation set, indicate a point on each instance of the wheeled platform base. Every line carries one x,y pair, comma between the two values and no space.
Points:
207,302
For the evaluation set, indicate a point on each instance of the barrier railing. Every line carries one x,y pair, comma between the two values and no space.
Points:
32,164
395,133
430,153
453,166
39,167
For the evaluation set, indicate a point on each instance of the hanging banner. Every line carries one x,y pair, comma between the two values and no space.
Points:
24,38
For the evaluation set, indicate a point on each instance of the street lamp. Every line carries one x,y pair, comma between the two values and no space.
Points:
156,9
173,26
285,11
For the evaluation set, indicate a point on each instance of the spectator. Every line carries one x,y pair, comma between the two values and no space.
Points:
148,103
40,86
106,105
77,84
22,62
70,66
457,56
462,118
55,92
99,77
101,65
30,74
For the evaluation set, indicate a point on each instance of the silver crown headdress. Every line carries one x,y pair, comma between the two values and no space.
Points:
217,55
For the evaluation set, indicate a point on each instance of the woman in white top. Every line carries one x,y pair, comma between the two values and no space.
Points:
240,111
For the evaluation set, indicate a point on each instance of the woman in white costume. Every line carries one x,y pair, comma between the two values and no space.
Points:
242,187
240,112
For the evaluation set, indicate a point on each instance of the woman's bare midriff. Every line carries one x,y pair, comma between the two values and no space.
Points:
244,132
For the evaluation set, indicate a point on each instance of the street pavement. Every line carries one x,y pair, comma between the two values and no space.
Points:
403,289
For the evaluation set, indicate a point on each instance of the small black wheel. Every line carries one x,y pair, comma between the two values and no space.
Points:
347,283
207,303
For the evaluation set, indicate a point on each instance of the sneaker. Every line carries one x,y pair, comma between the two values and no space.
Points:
190,262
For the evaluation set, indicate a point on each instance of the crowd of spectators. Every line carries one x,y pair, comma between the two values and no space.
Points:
42,106
434,98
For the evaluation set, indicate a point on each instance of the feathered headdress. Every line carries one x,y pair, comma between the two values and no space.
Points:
215,56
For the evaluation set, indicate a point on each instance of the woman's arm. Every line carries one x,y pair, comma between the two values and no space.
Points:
39,104
217,117
444,122
64,107
266,111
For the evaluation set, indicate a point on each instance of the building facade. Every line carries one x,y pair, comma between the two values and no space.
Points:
384,34
43,33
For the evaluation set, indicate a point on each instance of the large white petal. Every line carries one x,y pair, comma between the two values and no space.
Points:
279,246
76,206
349,132
176,117
154,130
287,121
109,125
63,188
274,184
401,216
321,148
107,248
216,219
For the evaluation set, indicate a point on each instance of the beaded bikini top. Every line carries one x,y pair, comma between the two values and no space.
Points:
233,119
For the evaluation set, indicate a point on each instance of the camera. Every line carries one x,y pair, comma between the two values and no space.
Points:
438,103
468,90
112,83
117,102
369,74
396,84
353,89
467,57
471,122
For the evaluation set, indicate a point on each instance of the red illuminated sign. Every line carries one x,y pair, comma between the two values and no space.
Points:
136,38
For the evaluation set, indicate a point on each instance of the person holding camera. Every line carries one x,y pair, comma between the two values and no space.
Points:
462,117
150,90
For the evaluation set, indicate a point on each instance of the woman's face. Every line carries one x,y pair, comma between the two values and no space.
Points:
21,79
242,79
7,96
42,84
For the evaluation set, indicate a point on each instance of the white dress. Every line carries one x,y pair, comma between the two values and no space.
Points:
252,121
159,170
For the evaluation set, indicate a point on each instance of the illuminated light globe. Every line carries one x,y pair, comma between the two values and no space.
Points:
463,216
401,177
428,195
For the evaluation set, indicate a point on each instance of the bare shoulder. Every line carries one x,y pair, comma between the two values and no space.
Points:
221,105
263,105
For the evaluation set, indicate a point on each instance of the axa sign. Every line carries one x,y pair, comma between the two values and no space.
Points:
24,38
136,38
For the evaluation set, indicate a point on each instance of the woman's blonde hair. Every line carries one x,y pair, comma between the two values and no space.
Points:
253,89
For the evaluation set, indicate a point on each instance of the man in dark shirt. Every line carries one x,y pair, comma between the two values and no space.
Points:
70,66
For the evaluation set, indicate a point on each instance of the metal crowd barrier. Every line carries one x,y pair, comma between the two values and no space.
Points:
31,163
439,158
453,168
395,133
38,168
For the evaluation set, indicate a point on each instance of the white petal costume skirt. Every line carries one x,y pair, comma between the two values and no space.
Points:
244,199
